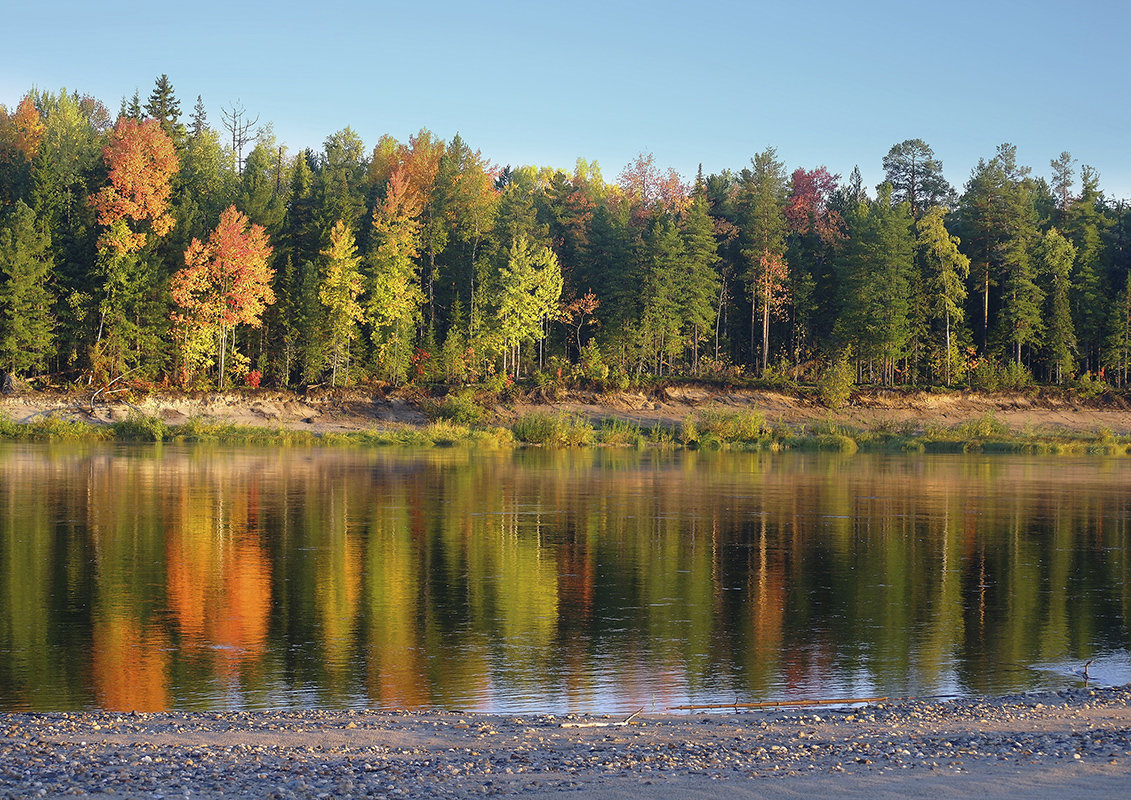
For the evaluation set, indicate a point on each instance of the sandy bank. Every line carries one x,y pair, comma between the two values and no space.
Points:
327,411
1073,744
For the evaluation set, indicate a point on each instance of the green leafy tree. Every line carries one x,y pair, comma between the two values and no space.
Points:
339,292
524,297
26,320
946,271
68,168
395,297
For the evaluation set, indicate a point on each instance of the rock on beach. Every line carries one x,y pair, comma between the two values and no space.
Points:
1075,743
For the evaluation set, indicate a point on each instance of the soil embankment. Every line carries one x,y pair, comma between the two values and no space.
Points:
1043,412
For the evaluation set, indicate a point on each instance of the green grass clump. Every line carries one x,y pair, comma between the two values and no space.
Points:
984,427
713,428
197,429
54,428
619,432
561,430
140,428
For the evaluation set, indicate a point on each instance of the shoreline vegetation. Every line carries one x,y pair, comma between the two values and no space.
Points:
693,417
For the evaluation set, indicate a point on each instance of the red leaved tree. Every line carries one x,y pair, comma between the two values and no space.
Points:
225,282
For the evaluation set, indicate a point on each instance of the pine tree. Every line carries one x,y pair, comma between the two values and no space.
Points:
764,229
662,265
1056,256
875,272
916,177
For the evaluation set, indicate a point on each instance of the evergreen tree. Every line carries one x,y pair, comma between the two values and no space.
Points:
662,265
199,118
164,107
67,167
763,225
1056,255
1022,298
916,177
876,269
1117,354
26,320
699,282
946,271
1086,226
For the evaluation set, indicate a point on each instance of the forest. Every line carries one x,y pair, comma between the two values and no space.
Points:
158,246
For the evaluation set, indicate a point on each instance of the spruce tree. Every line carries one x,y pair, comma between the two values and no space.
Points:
26,321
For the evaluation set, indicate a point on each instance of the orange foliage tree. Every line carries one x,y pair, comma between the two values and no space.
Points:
20,134
142,160
225,282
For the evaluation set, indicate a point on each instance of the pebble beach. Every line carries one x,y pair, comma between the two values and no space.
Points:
1072,743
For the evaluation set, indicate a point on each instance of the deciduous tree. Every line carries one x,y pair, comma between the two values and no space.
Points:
395,297
225,283
341,285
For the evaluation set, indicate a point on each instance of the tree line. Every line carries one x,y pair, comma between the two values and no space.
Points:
169,250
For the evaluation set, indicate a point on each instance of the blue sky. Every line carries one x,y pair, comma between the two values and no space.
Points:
833,83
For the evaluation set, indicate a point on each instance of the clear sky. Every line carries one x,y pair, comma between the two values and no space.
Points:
713,82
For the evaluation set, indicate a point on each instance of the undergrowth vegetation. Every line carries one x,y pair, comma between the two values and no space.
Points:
705,429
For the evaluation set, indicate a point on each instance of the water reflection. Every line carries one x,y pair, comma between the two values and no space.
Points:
549,580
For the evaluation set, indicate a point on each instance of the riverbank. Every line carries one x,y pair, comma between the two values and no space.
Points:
1075,743
686,414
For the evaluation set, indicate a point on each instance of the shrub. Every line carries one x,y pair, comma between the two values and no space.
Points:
834,385
1088,386
461,407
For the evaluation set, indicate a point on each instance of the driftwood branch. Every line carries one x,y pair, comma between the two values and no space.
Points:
626,721
783,703
105,389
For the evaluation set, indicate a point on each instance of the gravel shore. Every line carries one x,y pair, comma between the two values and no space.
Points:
1075,743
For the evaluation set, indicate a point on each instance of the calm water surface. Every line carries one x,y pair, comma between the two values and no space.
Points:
218,578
